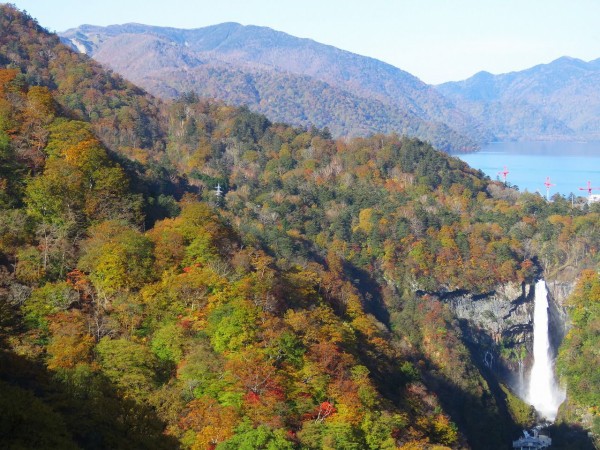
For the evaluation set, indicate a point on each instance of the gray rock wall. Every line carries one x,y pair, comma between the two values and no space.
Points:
505,312
558,291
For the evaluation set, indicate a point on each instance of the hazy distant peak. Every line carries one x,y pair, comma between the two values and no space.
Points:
86,27
556,100
482,76
568,59
232,25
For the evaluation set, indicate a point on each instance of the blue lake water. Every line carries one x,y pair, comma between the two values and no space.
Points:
570,165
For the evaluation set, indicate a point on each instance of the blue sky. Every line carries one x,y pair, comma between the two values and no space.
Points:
436,40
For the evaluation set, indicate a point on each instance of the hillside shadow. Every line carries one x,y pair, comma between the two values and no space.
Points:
371,291
484,421
43,410
569,437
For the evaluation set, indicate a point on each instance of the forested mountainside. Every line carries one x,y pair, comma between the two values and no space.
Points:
296,310
289,79
559,100
123,115
578,357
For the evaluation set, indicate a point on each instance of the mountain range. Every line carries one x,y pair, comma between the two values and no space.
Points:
303,82
289,79
555,101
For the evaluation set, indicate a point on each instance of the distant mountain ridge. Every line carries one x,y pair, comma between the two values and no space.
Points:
287,78
555,101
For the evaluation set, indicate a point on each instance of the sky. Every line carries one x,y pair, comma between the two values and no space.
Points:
436,40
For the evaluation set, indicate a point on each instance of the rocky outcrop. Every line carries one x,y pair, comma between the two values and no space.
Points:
503,313
497,327
559,292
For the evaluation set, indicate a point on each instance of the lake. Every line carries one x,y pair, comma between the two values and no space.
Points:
570,165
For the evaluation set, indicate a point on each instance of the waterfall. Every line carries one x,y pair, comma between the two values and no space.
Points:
521,386
544,394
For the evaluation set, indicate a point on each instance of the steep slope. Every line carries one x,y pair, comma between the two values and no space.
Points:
577,359
281,70
123,115
559,100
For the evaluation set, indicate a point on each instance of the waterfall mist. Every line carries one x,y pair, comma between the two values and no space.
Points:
543,393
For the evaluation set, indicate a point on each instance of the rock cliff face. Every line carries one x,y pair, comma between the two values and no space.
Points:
498,326
504,313
558,292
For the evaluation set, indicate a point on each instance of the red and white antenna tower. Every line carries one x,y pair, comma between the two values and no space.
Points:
589,188
504,173
548,186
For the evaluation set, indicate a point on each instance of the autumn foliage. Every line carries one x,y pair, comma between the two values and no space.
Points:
297,310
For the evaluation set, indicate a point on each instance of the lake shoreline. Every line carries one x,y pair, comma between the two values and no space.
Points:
569,165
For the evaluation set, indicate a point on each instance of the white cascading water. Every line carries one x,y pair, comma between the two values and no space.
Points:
544,394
